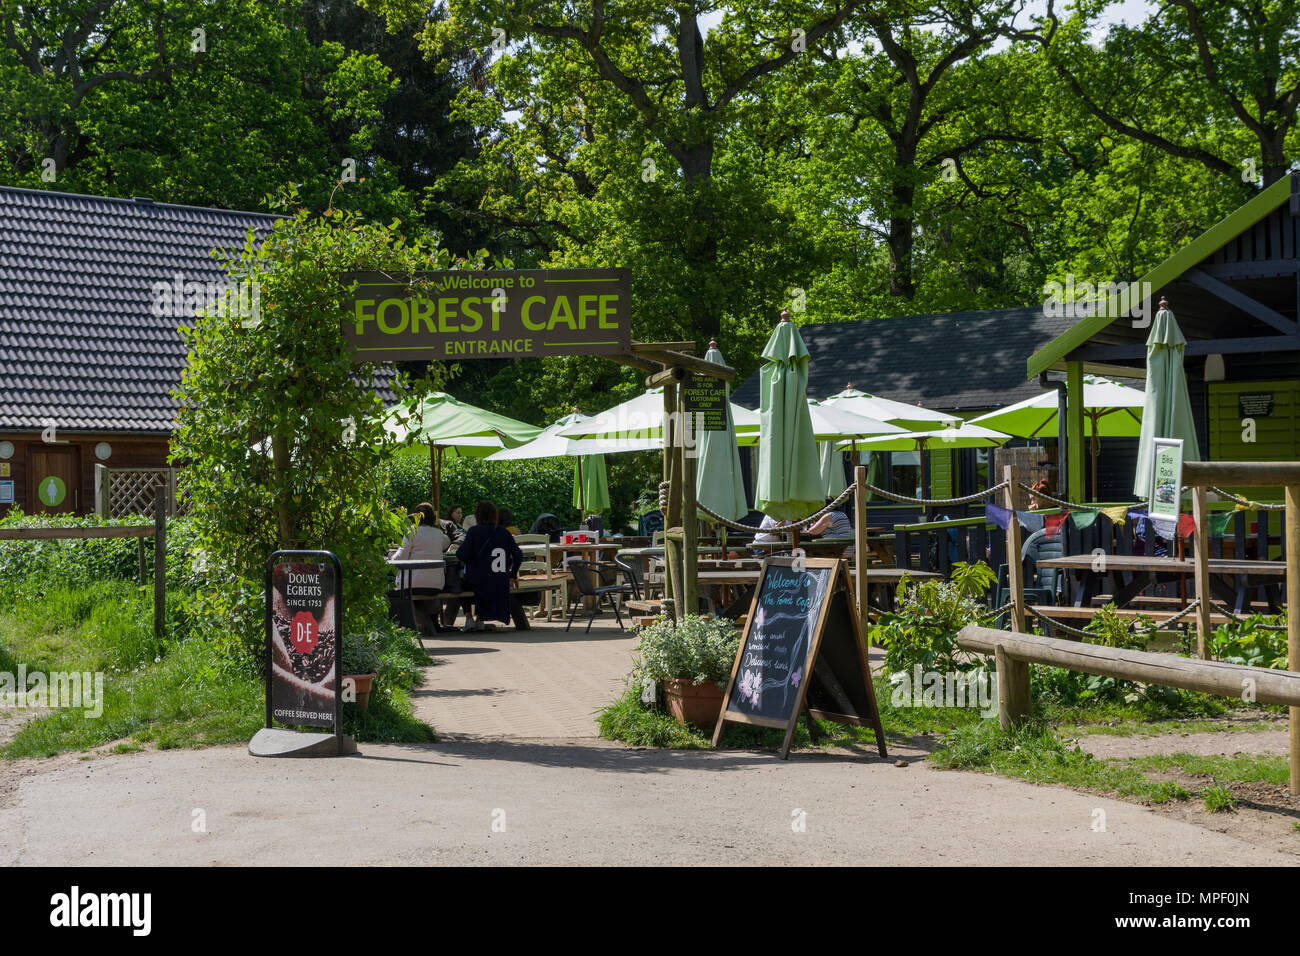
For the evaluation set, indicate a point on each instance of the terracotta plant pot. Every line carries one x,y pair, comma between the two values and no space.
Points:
363,684
697,704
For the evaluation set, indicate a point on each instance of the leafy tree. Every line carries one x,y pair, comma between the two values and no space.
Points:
281,432
1214,83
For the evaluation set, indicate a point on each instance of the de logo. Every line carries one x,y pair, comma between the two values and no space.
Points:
304,632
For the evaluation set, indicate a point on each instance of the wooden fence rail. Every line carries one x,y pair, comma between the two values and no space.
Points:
140,531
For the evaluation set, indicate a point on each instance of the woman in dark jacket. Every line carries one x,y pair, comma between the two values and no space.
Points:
489,559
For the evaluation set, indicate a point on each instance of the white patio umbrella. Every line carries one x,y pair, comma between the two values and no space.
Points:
833,424
643,417
888,410
552,444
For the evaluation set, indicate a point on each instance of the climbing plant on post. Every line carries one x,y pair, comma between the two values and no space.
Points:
281,434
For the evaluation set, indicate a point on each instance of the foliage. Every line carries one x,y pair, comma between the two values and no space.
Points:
1249,642
1033,752
696,648
528,488
923,631
1113,630
360,653
1219,799
285,447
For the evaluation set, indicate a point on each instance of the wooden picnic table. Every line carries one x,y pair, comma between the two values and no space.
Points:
1088,574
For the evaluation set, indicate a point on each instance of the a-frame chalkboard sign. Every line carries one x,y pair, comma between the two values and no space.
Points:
802,652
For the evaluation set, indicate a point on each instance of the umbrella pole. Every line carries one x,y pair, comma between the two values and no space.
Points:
582,494
435,486
1096,449
690,523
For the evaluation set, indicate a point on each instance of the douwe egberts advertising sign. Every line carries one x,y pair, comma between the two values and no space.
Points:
451,316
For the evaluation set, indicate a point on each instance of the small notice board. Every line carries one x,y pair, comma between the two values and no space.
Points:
802,652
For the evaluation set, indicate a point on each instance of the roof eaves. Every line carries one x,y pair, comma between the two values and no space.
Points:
1231,226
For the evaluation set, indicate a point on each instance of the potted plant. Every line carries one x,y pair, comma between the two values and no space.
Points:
360,665
691,662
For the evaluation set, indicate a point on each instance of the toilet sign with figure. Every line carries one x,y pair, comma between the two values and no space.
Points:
802,652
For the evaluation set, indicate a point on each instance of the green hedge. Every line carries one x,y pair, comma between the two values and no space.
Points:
527,488
29,569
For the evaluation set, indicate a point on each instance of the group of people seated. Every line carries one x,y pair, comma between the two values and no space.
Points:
488,559
833,524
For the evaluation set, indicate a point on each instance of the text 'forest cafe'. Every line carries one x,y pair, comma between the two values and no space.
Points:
505,314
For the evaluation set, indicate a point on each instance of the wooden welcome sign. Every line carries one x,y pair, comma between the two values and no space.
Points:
802,651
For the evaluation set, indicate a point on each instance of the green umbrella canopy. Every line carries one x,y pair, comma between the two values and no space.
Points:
450,426
718,482
444,421
789,473
832,468
1110,410
590,485
1167,411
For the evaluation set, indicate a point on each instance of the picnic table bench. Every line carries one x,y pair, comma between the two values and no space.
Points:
1089,572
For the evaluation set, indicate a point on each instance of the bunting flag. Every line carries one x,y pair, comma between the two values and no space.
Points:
1053,523
1218,522
1186,526
1163,527
999,516
1117,514
1083,520
1030,521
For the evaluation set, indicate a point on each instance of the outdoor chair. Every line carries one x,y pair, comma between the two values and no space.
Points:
1037,547
597,580
633,571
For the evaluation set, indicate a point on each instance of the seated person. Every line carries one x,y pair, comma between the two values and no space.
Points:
426,542
507,520
833,524
768,524
489,559
452,526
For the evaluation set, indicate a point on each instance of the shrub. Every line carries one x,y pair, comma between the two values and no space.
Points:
1249,642
696,648
930,615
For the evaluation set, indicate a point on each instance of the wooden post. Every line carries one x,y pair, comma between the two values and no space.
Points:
673,519
860,544
435,480
1015,568
159,560
690,516
101,491
1013,688
1293,618
1200,515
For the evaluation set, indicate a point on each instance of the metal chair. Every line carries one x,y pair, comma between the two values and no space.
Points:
586,574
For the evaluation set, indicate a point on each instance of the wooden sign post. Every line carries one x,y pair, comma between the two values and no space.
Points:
803,651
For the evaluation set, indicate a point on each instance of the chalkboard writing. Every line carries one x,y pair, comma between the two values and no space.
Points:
802,650
774,659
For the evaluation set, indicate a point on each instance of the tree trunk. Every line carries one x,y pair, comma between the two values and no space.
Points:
902,216
284,519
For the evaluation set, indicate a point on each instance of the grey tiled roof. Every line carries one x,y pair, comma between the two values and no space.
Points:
951,361
79,342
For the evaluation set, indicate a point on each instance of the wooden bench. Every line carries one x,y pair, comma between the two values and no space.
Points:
517,613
